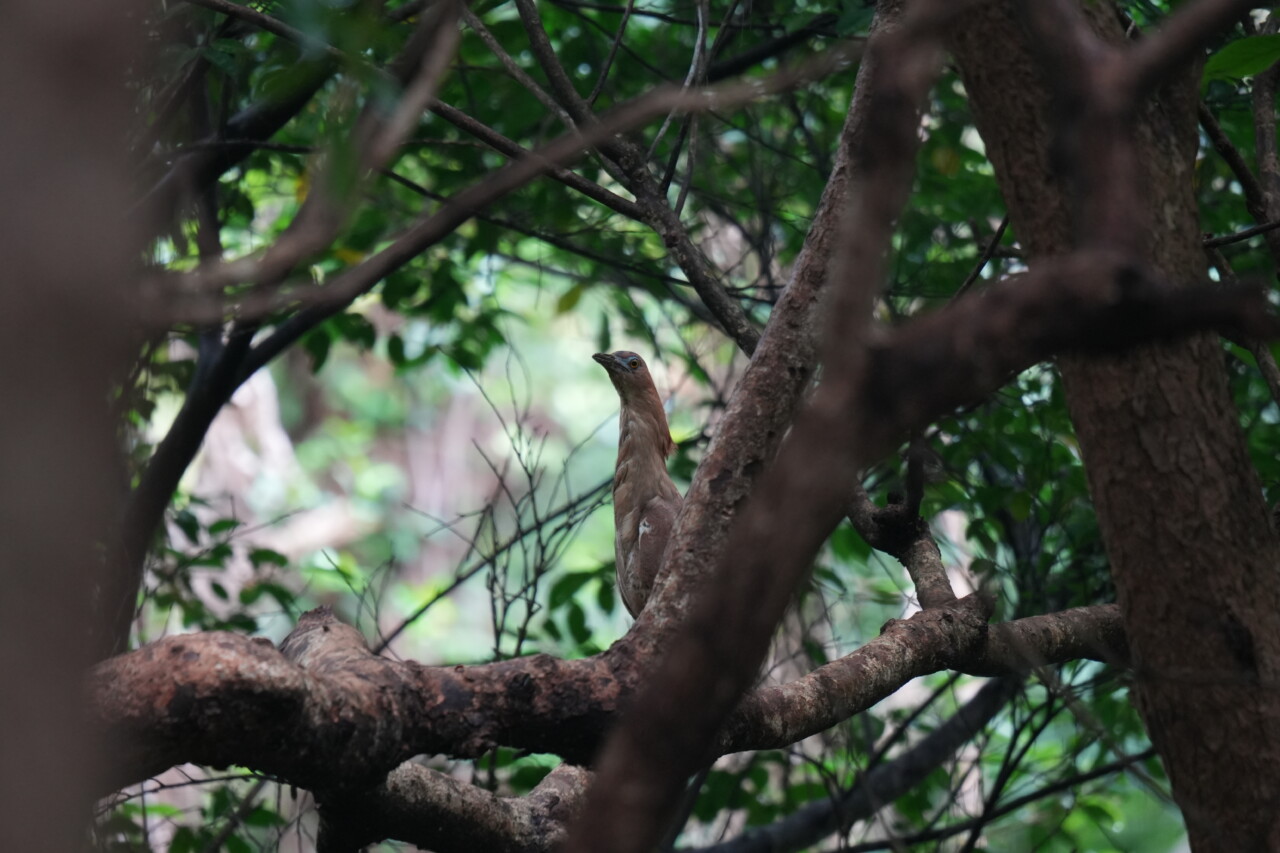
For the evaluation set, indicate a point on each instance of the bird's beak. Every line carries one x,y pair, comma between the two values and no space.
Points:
607,361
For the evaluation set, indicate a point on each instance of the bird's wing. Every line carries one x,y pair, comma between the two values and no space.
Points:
653,530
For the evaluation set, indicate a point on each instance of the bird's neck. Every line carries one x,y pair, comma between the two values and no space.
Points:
644,443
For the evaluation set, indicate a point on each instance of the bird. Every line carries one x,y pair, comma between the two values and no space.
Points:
645,500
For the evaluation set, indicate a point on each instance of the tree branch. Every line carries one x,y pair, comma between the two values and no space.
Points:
633,163
770,391
713,656
882,785
325,713
437,812
273,25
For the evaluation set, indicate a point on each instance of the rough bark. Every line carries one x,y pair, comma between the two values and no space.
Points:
437,812
772,388
1180,507
325,713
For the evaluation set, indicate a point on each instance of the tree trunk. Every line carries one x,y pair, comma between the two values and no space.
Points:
65,253
1179,504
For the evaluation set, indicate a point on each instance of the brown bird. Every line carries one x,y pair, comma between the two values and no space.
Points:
645,501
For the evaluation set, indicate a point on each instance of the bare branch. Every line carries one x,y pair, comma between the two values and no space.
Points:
515,151
632,164
1254,199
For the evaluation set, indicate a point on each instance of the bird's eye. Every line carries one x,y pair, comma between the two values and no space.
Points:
633,363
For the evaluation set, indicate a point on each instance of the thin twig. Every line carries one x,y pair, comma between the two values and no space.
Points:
1240,236
613,53
275,26
987,254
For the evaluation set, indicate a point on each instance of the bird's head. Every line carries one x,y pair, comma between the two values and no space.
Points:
631,379
629,374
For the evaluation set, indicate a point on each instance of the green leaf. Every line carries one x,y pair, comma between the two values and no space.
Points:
848,546
398,287
223,55
263,816
395,350
578,624
525,778
570,299
817,655
1244,57
214,557
606,596
183,841
564,589
223,526
1020,506
260,556
317,345
236,844
188,524
604,340
855,17
355,328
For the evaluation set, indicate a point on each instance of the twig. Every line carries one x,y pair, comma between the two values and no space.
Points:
275,26
1260,349
1240,236
613,53
985,259
322,302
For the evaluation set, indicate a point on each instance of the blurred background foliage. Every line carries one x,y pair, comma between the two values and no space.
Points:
434,460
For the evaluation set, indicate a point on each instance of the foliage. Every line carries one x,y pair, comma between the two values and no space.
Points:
502,313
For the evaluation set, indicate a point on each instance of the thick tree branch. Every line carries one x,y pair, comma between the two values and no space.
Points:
714,654
770,391
1181,622
219,366
221,698
899,531
437,812
325,713
1086,303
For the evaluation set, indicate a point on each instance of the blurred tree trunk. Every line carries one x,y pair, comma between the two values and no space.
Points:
64,252
1179,504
